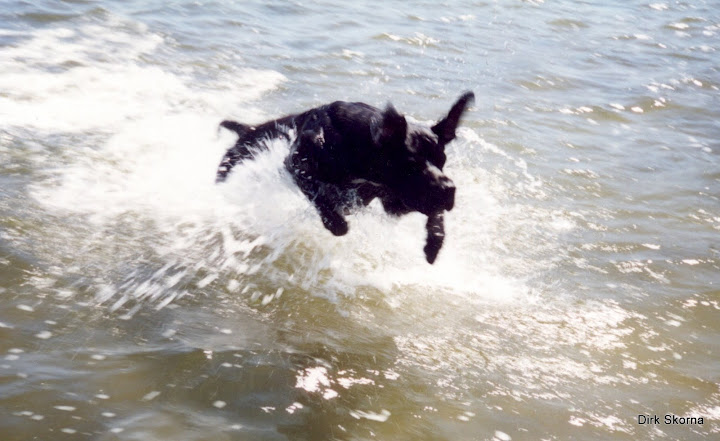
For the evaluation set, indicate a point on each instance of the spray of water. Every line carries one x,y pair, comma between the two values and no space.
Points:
133,179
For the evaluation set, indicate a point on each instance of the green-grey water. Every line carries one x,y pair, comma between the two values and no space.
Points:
577,289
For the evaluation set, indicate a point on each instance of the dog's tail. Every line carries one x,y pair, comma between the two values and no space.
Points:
239,128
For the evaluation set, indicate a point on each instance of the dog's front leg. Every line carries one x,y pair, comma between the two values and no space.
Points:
335,222
302,165
435,234
327,200
325,197
394,206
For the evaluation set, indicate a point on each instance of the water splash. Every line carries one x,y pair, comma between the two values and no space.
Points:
136,200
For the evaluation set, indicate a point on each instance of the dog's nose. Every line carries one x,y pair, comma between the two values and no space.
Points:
448,191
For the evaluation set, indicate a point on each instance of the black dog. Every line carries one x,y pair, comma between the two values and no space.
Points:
347,154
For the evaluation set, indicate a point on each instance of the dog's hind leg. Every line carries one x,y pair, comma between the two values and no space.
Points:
238,153
250,141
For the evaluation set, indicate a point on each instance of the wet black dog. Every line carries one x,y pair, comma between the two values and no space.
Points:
347,154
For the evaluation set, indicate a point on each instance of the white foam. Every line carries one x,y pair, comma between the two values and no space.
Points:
93,78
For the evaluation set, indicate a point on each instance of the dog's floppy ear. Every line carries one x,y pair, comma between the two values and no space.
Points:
445,129
392,129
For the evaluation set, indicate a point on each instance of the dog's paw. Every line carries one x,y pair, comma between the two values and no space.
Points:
432,247
431,251
341,229
335,224
435,235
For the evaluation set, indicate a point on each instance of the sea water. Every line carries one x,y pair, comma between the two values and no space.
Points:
577,289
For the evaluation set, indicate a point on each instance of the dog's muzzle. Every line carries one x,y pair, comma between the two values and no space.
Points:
449,190
440,195
446,194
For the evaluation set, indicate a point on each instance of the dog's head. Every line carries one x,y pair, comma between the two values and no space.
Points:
413,157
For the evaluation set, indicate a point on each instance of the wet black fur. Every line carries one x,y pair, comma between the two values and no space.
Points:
347,154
